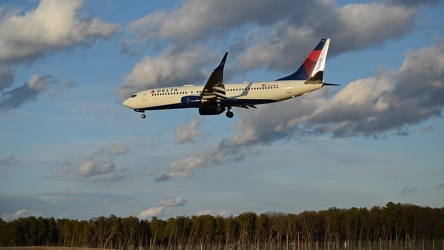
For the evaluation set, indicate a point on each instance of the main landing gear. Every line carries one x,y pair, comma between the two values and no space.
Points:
143,116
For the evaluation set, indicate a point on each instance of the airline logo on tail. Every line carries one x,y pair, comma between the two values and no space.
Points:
319,57
314,63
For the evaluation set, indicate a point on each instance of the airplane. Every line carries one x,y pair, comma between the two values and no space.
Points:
216,97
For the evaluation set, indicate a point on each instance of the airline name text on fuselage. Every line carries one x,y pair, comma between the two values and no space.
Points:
167,90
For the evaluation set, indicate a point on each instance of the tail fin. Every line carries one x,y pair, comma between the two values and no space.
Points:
314,63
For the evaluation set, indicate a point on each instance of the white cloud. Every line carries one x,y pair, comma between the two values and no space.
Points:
166,207
9,160
61,89
21,214
222,213
53,26
39,83
173,201
151,212
215,155
408,190
369,21
101,164
183,167
171,68
117,150
27,92
91,168
428,128
29,36
351,27
188,132
197,19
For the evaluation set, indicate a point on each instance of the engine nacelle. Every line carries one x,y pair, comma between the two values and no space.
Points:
191,101
211,111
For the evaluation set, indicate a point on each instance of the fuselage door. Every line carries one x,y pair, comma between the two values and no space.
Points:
288,87
145,96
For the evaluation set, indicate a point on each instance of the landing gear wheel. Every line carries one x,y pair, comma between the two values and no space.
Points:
143,116
230,114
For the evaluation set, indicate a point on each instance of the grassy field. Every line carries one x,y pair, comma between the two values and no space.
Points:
47,248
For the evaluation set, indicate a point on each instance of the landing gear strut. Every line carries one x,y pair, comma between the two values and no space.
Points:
229,114
141,111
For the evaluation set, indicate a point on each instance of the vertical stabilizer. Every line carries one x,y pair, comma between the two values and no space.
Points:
314,63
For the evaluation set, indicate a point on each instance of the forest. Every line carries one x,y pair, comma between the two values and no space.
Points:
391,223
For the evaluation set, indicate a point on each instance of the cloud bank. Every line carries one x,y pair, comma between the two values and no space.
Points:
165,207
187,133
386,103
99,165
28,92
29,36
22,213
374,107
9,160
264,34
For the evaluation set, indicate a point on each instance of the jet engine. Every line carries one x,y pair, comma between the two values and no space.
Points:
191,101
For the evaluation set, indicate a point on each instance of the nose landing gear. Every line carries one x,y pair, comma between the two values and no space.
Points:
141,111
229,114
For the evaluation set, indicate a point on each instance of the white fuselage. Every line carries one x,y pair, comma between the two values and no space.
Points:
240,93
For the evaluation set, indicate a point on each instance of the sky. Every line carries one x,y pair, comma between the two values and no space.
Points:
70,149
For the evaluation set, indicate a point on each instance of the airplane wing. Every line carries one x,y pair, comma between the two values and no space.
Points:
214,89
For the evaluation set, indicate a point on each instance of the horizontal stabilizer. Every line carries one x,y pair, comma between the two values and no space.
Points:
318,78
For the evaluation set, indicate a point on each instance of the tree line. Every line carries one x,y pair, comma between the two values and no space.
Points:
393,222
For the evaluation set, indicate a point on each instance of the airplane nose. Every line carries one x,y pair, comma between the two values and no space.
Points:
127,103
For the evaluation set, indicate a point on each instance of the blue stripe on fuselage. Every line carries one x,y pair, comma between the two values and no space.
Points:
229,103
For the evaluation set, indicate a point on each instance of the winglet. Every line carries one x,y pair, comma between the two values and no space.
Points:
314,63
222,62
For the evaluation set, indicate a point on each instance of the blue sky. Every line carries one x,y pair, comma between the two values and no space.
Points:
69,148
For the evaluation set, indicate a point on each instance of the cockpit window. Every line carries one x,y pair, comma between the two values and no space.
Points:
133,96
